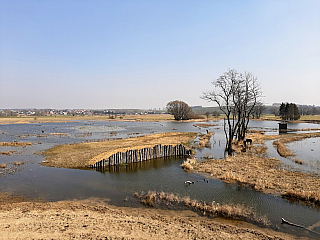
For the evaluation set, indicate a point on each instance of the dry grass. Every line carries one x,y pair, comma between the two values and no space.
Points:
310,117
214,209
188,164
298,161
59,134
15,144
84,154
280,144
204,125
204,141
7,153
263,174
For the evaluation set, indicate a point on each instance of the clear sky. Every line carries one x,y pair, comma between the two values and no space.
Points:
143,54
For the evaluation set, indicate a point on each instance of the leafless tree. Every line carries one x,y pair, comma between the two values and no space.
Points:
236,95
179,109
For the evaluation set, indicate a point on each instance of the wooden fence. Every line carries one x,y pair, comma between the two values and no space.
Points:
144,154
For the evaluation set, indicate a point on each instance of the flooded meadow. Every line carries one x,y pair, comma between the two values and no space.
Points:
22,173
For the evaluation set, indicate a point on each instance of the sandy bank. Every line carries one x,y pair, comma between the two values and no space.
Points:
91,220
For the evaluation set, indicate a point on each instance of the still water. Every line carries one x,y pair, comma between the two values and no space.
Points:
119,183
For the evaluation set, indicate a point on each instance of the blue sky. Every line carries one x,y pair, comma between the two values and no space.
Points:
143,54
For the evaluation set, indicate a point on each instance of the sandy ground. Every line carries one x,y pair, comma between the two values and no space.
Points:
91,219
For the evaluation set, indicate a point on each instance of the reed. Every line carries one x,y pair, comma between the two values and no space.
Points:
263,174
230,211
204,141
188,164
15,144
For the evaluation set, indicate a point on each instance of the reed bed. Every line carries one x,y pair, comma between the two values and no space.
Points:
205,125
59,134
187,165
263,174
15,144
280,144
213,209
7,153
204,141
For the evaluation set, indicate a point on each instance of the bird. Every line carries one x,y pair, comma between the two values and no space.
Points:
189,182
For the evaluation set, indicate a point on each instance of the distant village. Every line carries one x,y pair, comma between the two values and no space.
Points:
113,113
75,112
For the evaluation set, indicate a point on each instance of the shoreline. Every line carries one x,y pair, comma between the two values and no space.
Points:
94,218
127,118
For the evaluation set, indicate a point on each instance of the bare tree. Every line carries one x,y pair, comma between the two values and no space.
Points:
236,95
179,109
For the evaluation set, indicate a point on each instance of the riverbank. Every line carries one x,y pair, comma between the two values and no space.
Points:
82,155
95,219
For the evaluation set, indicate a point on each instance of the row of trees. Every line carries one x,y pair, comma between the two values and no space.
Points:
289,111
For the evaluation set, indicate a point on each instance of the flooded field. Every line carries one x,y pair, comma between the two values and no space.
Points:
118,184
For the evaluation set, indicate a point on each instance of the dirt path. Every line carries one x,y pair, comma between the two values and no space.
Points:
79,220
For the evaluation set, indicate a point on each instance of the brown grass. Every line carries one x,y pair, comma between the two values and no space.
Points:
204,141
287,138
59,134
214,209
204,125
15,144
84,154
263,174
188,164
7,153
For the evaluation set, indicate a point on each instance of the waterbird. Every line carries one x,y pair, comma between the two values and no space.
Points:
189,182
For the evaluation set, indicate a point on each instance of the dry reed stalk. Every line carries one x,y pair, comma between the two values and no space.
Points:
230,211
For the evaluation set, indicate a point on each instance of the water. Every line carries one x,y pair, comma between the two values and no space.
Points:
119,183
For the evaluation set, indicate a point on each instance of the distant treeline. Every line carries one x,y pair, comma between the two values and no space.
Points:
266,110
